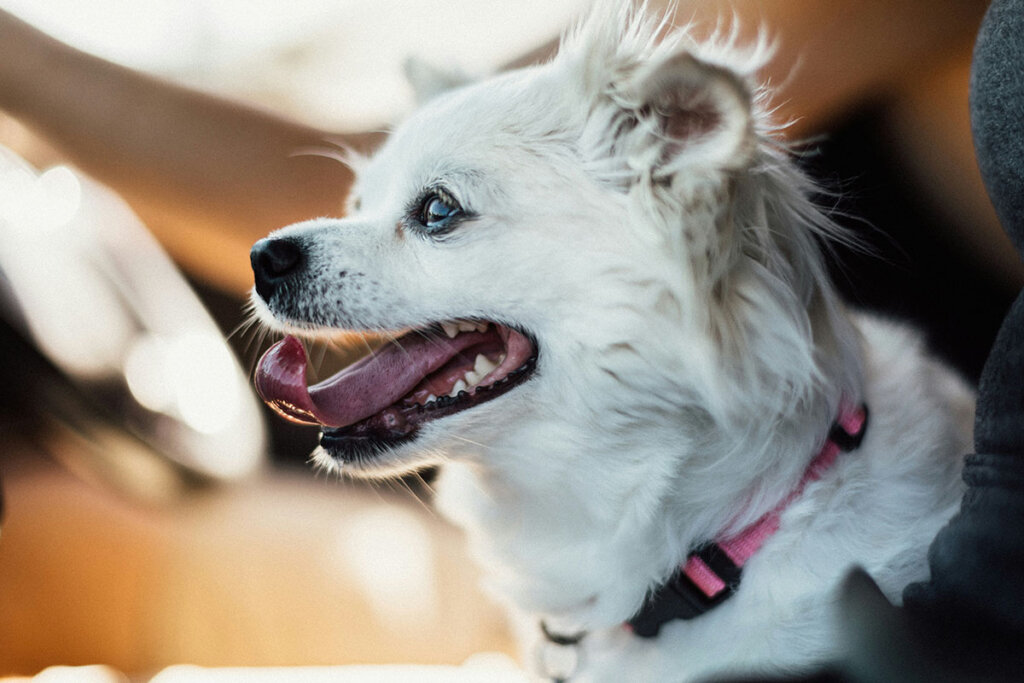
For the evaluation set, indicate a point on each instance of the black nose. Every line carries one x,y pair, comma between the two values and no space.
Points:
274,260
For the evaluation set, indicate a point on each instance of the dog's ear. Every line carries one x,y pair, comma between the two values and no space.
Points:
687,113
429,81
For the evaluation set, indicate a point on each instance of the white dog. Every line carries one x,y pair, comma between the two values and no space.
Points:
627,356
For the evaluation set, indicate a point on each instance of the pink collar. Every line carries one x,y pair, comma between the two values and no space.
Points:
712,572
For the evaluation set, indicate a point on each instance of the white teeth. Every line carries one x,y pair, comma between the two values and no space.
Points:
429,399
459,386
453,328
483,365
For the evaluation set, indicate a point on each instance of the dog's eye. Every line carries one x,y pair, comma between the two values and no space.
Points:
438,211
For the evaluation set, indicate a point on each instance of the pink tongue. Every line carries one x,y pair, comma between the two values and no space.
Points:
360,390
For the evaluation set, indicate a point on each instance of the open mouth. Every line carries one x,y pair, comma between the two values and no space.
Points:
384,398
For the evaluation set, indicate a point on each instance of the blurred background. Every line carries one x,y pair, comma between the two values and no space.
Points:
157,514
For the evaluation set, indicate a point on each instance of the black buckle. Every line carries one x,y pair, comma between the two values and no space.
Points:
680,598
849,442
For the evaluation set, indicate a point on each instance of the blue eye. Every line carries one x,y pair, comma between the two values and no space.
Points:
438,210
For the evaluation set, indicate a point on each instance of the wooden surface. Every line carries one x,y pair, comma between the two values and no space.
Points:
283,570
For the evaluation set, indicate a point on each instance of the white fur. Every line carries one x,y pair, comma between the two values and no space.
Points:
636,214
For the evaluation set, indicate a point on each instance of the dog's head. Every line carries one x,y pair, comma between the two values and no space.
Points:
560,253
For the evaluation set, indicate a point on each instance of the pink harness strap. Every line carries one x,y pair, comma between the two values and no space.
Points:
712,572
742,547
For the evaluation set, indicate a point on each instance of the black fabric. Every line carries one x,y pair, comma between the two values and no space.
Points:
997,122
977,561
997,112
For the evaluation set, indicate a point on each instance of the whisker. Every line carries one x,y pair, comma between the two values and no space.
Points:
345,343
424,505
341,155
470,441
394,340
317,354
254,337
